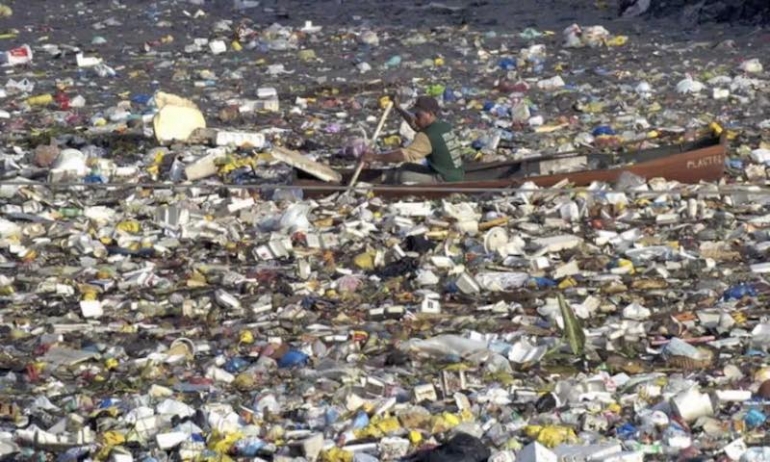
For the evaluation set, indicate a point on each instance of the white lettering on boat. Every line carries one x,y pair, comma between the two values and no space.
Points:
704,162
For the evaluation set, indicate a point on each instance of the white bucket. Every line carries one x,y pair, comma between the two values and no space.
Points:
691,405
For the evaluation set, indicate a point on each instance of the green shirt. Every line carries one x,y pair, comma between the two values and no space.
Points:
446,153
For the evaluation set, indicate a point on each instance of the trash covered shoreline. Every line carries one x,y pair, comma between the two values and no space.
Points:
166,294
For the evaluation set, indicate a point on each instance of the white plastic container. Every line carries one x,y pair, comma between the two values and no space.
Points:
691,404
267,93
17,56
240,139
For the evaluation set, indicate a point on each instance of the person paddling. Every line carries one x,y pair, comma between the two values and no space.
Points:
435,143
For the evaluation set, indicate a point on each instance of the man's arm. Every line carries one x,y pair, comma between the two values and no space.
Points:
418,150
392,157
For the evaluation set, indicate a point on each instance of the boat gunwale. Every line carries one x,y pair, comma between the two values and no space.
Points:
675,166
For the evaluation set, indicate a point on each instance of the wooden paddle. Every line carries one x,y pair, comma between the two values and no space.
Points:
370,143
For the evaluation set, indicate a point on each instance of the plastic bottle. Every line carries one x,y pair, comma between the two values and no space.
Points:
62,100
40,100
176,173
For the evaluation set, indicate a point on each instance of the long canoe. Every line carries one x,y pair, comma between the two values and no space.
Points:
687,162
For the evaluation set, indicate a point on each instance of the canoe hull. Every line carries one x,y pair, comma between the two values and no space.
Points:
704,164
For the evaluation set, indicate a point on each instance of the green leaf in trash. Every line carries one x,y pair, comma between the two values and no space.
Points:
573,330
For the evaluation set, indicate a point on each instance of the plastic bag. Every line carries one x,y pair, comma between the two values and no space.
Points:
295,218
460,448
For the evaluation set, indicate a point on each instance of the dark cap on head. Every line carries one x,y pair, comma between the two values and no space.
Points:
426,104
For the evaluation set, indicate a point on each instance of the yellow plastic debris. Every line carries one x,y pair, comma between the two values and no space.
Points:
129,226
551,435
158,157
762,374
18,334
40,100
222,443
306,55
336,455
614,408
566,283
276,432
246,337
128,329
623,263
415,437
392,140
594,107
370,431
365,261
235,164
111,364
475,105
466,415
550,128
368,407
244,381
438,61
153,169
113,438
90,293
102,274
617,41
444,422
384,101
217,458
38,366
236,46
389,425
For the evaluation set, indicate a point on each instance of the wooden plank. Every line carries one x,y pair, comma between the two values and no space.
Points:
297,160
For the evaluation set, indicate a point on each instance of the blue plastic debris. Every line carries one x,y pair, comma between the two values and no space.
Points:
603,130
754,418
739,291
293,358
543,283
236,364
507,64
361,420
142,99
249,447
626,431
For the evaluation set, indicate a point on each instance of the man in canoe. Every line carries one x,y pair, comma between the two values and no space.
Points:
435,143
